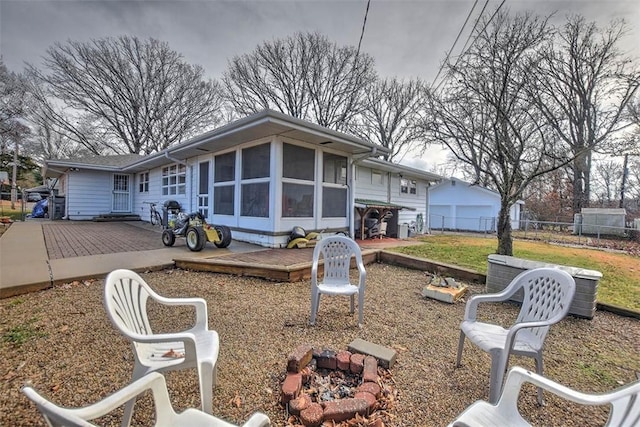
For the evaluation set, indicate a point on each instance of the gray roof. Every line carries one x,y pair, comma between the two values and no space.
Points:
251,128
116,160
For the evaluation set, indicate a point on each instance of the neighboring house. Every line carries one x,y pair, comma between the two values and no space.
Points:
260,176
458,205
384,186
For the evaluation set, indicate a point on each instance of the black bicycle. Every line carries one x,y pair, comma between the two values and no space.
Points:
154,216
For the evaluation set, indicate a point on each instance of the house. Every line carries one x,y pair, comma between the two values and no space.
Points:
260,176
401,190
458,205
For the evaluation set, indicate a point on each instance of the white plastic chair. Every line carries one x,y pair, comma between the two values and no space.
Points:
383,229
547,295
624,402
125,300
165,415
336,252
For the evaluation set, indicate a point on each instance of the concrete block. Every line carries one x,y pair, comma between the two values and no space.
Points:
444,294
386,356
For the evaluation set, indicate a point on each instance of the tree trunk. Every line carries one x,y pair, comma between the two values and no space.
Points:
580,182
505,239
14,176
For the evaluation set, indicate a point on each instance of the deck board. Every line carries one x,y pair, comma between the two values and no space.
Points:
282,265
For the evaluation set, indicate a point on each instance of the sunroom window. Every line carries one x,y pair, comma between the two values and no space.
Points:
334,190
224,188
298,174
256,166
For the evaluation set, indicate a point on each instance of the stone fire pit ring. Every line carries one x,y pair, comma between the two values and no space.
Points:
325,385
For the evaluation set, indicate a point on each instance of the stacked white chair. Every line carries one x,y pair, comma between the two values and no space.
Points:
165,416
547,294
125,299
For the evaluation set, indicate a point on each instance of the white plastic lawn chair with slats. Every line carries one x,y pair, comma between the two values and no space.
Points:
547,295
125,299
336,251
624,402
165,416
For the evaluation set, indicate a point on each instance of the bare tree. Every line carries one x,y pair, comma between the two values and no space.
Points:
606,182
633,182
485,116
13,99
138,96
548,198
305,75
391,114
633,116
49,142
584,88
13,126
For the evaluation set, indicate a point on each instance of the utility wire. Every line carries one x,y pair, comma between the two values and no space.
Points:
355,60
364,24
477,34
475,24
464,48
495,12
454,43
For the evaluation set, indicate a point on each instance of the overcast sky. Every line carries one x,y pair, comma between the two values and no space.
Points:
406,38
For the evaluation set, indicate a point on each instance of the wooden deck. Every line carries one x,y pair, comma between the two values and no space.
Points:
294,265
281,265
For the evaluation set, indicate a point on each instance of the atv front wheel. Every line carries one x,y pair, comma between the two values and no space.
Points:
196,238
168,237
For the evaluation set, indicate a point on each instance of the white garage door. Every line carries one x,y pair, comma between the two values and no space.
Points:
474,218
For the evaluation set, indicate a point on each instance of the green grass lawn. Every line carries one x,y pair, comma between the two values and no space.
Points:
14,214
620,283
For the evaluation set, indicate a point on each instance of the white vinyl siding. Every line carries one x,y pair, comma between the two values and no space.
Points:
368,187
88,194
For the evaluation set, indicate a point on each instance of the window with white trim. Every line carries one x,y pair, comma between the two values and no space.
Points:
224,189
334,190
143,182
254,190
298,174
334,169
408,186
377,178
174,180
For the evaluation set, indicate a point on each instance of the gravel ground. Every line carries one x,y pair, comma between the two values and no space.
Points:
74,356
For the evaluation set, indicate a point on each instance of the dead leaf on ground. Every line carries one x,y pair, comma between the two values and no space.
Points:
236,401
9,376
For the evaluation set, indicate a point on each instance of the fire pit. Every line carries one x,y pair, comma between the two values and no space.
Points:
343,388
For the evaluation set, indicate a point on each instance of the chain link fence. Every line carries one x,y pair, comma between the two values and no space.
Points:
605,236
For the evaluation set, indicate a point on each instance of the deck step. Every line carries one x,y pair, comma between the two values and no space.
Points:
116,217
